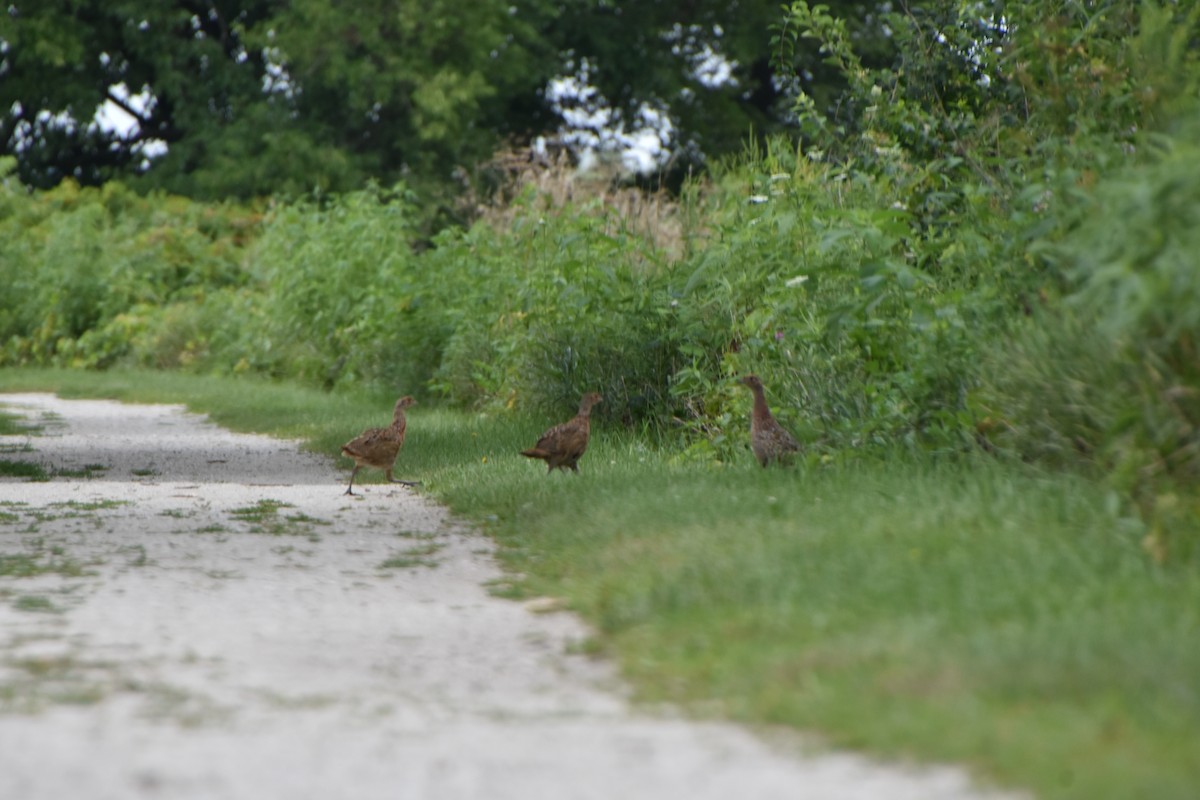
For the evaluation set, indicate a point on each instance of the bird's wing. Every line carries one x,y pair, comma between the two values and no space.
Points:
573,439
372,440
785,439
362,439
552,438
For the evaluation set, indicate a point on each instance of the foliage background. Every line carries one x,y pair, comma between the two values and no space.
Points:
985,237
283,97
965,266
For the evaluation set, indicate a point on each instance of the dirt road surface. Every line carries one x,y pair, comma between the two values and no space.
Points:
191,613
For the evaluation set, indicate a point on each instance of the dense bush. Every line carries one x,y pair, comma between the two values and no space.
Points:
559,301
824,293
339,280
1110,374
89,274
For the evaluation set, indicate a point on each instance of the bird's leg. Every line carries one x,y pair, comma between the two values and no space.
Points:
350,488
390,479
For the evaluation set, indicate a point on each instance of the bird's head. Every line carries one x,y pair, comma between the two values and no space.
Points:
590,399
405,402
753,381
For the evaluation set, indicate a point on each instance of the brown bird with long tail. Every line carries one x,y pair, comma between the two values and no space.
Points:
768,439
378,447
562,446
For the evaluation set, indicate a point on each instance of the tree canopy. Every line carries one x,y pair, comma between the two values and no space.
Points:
256,97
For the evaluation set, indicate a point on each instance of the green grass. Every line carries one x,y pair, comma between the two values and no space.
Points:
264,517
16,425
971,611
973,614
86,471
262,511
22,469
416,556
92,505
40,562
36,604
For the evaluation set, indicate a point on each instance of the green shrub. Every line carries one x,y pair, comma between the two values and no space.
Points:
333,272
1111,375
84,268
556,303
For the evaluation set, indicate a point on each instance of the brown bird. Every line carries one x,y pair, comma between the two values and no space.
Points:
768,439
378,447
563,445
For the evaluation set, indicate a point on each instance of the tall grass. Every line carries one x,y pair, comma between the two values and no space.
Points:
1109,374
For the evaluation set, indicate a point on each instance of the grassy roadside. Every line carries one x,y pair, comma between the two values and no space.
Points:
974,612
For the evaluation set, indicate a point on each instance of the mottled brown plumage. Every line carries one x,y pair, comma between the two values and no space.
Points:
768,439
563,445
378,447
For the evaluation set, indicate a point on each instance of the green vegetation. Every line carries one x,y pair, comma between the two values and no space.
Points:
882,602
20,566
41,560
260,512
970,247
968,281
885,605
32,684
16,425
92,505
86,471
23,469
272,97
264,517
27,552
36,604
415,556
36,472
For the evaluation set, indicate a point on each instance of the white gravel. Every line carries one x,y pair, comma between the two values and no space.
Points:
183,652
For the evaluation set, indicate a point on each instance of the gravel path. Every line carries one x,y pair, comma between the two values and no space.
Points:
207,616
